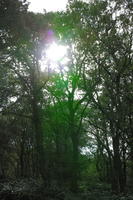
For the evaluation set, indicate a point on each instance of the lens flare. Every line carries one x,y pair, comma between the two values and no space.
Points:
56,52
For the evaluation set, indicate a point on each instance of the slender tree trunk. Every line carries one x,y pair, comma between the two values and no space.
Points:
118,184
37,117
22,159
75,152
37,121
75,162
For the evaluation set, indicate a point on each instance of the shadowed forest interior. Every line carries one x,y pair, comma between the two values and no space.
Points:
66,101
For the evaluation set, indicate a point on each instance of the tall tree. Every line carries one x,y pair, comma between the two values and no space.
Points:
106,40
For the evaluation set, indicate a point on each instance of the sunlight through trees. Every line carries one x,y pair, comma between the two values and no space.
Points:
66,113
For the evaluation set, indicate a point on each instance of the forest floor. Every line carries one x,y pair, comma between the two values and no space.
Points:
31,190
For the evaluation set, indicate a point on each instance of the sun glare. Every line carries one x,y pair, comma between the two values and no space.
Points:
55,57
56,53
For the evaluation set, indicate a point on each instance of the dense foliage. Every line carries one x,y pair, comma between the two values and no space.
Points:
69,128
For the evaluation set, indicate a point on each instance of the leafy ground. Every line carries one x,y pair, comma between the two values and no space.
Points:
33,190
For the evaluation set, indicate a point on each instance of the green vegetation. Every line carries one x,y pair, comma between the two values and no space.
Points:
66,132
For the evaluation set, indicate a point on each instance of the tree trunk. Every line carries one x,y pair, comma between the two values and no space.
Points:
75,161
37,117
118,185
39,137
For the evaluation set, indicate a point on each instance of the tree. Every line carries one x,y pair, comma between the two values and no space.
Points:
108,48
64,87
